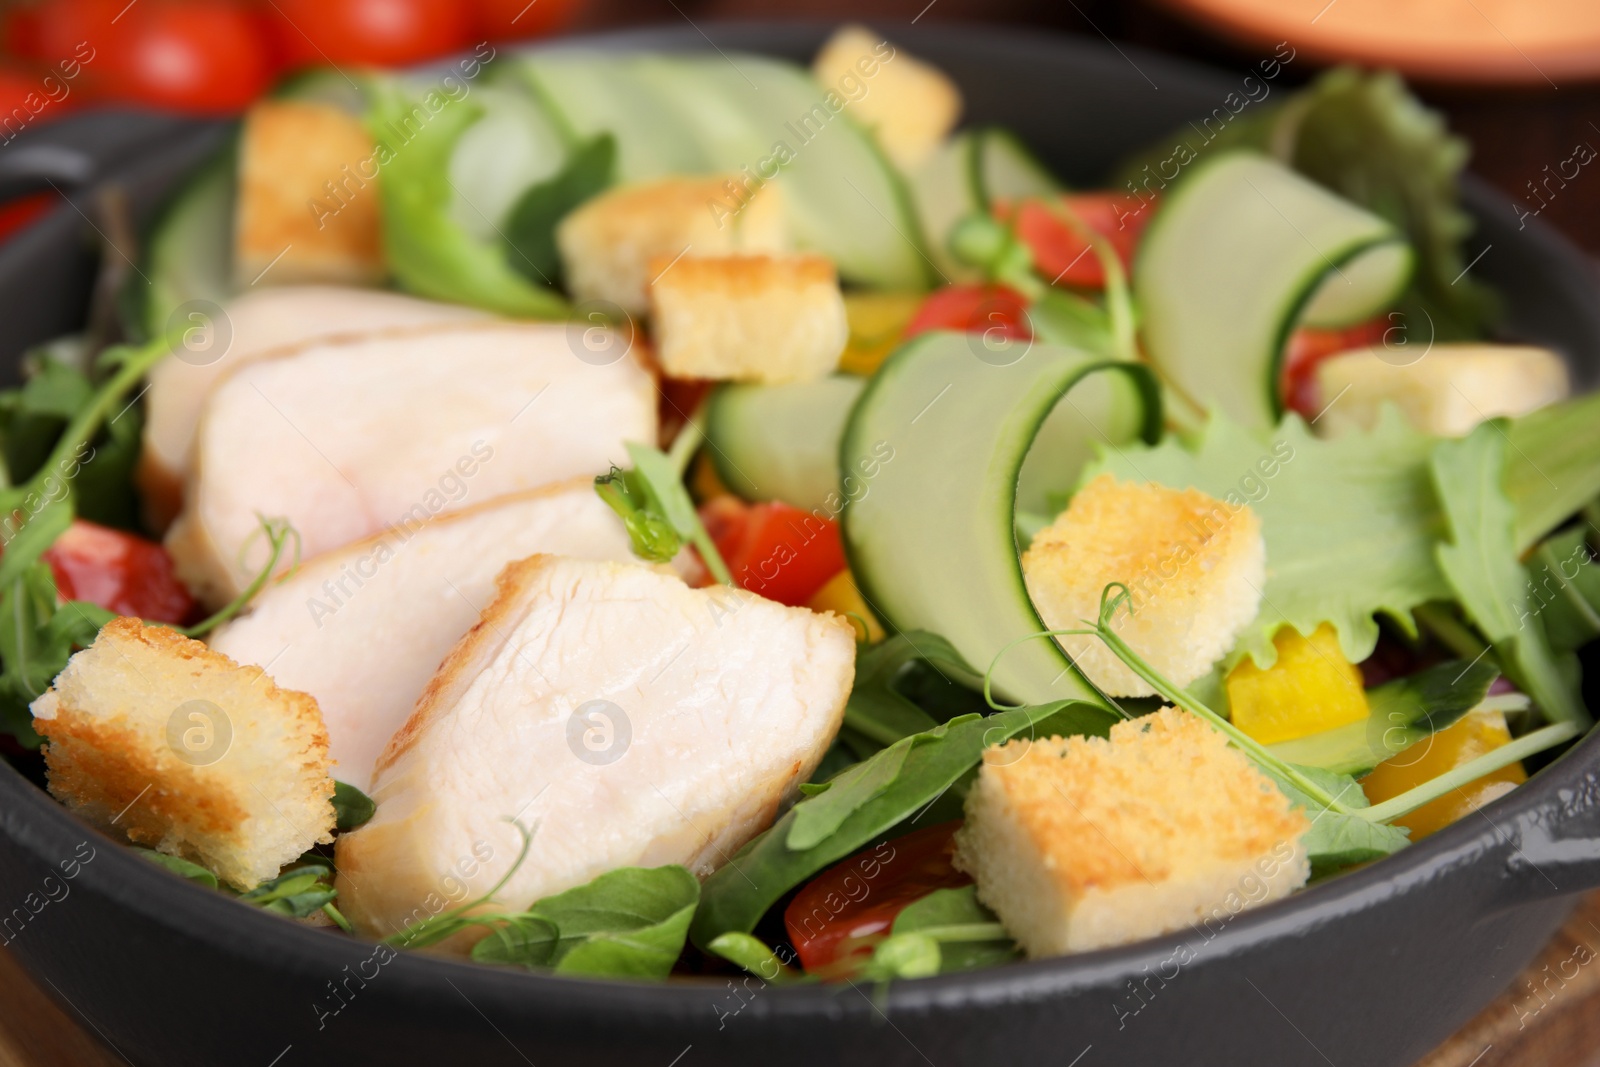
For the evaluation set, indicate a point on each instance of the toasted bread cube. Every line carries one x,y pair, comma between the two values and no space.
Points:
181,749
910,105
607,245
1080,843
1446,391
1194,567
770,319
308,204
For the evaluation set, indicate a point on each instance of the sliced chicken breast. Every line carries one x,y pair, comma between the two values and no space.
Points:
364,627
256,324
625,718
349,437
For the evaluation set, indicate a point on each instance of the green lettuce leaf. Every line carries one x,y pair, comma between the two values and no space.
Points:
1338,840
1480,562
739,894
1350,524
430,253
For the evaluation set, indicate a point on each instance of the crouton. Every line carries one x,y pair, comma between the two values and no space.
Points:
1080,843
910,105
607,245
179,748
764,319
1446,391
307,208
1194,567
634,721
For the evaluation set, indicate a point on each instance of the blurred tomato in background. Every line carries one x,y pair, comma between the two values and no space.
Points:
213,57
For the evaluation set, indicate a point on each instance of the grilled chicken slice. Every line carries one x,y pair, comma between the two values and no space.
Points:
258,323
350,437
626,718
364,627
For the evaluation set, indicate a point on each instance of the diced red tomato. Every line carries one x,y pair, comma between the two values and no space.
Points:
55,31
840,914
509,20
780,552
973,309
1308,348
119,571
382,33
1060,252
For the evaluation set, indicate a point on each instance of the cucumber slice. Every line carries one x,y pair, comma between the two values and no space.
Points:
189,253
939,437
696,115
1403,712
1233,260
512,147
1004,169
781,442
942,189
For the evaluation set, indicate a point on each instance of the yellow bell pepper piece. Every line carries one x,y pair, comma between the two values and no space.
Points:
877,323
1311,688
1477,733
842,597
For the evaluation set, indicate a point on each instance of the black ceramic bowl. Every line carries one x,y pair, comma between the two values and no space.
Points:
1368,970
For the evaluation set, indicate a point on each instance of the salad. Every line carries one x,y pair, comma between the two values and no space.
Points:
644,514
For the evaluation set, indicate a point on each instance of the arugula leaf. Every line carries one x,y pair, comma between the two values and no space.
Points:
530,229
1350,523
1402,712
351,807
1338,839
1480,562
736,896
968,934
431,253
179,866
295,893
822,815
1553,468
1566,589
629,922
520,940
877,708
754,955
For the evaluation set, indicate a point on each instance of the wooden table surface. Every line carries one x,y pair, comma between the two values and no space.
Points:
1558,1027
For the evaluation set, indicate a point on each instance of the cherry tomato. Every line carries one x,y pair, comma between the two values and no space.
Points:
201,57
841,913
1308,348
509,20
380,33
118,571
780,552
54,31
1060,253
973,309
29,97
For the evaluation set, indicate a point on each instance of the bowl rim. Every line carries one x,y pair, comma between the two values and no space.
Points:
35,821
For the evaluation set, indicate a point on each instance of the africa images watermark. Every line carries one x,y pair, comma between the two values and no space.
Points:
1153,178
354,178
851,88
451,489
54,88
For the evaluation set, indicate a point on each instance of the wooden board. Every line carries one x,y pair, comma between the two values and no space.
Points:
1550,1016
